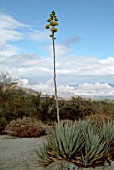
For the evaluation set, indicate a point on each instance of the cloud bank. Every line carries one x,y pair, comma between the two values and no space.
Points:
76,75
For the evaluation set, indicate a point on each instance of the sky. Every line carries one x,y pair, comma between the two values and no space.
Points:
84,45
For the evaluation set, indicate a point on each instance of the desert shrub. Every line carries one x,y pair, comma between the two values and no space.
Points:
16,102
76,108
98,119
25,127
111,153
2,125
48,109
103,107
77,142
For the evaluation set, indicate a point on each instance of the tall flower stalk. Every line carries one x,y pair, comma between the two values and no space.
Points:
52,23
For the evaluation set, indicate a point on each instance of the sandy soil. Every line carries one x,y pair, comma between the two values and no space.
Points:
19,153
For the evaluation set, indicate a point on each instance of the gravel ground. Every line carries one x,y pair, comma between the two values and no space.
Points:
19,153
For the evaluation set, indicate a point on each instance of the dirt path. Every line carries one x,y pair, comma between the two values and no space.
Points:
19,153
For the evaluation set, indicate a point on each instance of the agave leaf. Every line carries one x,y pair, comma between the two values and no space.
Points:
93,147
106,134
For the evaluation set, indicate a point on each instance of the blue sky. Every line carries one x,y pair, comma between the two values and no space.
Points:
84,45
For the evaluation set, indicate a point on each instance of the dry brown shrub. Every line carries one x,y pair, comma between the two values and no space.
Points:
26,127
112,153
98,119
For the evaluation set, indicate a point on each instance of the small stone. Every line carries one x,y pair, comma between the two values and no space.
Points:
61,165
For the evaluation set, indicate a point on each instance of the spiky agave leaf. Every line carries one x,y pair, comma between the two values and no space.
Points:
106,134
66,140
77,142
43,156
94,147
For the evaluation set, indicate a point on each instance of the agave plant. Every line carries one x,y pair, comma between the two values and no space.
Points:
93,151
106,134
77,142
63,144
43,156
66,140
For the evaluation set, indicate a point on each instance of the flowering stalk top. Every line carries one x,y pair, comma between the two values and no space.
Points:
52,23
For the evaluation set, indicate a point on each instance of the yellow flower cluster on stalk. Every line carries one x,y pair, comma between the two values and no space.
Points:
52,24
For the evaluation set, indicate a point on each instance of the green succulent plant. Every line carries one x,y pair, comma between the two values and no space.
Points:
66,140
93,149
63,144
77,142
106,134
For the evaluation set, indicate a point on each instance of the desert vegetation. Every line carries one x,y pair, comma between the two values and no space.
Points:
16,103
80,143
84,136
25,127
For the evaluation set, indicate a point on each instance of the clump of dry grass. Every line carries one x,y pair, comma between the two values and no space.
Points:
98,119
25,127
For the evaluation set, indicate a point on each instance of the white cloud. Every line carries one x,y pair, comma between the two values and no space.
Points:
8,29
35,69
9,35
9,50
60,50
32,65
23,82
39,35
84,89
45,88
109,61
8,22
